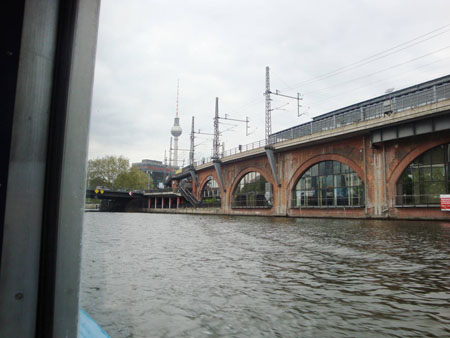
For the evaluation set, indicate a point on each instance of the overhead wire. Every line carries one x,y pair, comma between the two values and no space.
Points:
379,81
373,57
379,71
377,56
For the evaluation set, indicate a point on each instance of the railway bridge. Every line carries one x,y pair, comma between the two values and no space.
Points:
111,200
387,157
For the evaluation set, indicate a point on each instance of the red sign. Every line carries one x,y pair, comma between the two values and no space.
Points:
445,202
130,193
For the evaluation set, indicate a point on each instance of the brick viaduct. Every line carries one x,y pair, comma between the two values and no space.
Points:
375,142
378,167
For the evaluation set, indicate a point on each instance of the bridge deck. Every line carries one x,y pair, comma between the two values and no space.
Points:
416,102
344,131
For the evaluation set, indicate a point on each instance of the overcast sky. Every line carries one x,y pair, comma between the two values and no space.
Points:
221,48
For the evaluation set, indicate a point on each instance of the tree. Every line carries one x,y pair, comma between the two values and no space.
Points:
133,179
104,171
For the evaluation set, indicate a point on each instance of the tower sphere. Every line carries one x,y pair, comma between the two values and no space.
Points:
176,131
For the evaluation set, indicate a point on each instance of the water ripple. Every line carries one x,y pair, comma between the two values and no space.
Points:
150,275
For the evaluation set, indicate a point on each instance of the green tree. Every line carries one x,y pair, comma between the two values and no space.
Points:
133,179
104,171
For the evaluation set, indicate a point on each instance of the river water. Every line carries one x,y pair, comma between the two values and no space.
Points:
156,275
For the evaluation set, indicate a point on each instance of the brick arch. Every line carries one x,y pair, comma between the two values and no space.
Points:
242,173
411,156
320,158
205,180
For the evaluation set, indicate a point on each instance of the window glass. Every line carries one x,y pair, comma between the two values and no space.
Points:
425,159
253,191
437,155
307,184
329,184
314,183
328,167
322,168
344,168
329,181
424,179
340,181
336,167
438,173
425,174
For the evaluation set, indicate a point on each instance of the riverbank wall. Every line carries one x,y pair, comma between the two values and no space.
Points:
344,214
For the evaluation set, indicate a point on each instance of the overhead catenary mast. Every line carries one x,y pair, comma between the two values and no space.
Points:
216,151
191,150
216,142
268,106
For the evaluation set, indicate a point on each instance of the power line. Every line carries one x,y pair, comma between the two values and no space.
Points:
380,71
373,57
362,62
379,81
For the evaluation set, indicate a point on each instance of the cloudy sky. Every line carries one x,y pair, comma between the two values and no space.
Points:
334,53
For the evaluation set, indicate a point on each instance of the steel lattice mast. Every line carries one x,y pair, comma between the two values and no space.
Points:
191,150
268,107
216,142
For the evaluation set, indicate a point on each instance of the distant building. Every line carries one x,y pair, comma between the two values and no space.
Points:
156,169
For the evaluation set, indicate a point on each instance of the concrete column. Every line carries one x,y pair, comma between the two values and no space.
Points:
162,202
156,201
149,202
170,202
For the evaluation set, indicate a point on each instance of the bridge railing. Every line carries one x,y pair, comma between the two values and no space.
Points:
202,161
245,147
392,105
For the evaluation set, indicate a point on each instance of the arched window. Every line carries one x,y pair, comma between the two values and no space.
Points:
252,191
328,184
425,178
211,194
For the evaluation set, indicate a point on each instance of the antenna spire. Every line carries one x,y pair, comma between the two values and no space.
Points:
178,92
176,131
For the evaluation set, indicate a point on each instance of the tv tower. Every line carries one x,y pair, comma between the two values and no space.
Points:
176,131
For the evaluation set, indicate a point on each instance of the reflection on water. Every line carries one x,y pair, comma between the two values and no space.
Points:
154,275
